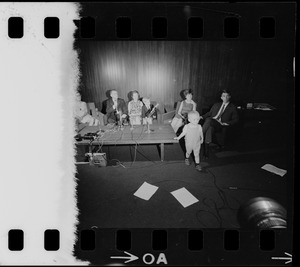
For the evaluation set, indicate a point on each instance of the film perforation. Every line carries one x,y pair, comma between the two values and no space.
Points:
159,240
123,240
267,240
15,27
195,27
159,27
195,240
231,239
51,239
51,27
123,27
267,28
123,30
231,27
87,27
87,239
15,240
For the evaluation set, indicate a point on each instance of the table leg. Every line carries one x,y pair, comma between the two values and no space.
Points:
162,151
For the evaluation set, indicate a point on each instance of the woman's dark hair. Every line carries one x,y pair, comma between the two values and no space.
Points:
133,92
187,91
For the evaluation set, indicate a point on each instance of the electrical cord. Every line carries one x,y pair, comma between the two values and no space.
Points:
115,129
135,149
136,144
213,209
100,145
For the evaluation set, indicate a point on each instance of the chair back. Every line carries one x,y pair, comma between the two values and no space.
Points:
92,109
100,116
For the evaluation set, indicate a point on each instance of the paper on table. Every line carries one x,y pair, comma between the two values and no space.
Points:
184,197
273,169
146,191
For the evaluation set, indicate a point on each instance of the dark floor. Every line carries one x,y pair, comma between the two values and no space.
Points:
229,178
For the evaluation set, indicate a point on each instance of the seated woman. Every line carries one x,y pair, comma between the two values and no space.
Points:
135,109
81,113
185,107
148,111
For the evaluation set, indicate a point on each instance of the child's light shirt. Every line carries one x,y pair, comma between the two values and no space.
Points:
194,135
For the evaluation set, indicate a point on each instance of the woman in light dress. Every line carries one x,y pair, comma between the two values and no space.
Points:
135,109
185,107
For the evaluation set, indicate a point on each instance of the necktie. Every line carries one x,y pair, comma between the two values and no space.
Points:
221,112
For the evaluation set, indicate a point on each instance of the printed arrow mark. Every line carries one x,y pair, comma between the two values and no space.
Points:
129,259
289,259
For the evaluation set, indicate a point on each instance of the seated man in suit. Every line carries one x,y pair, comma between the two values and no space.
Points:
220,118
116,108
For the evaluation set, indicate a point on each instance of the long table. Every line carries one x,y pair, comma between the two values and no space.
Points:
160,134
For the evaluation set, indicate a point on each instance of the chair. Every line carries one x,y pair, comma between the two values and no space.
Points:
95,113
232,134
168,116
158,111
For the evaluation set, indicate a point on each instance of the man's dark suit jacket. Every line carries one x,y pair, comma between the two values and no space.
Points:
111,112
229,115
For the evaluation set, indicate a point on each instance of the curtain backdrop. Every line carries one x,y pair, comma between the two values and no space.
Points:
254,71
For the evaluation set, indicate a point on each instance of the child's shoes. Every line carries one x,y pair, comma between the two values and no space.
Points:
187,162
198,168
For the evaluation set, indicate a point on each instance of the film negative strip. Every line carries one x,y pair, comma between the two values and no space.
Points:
151,133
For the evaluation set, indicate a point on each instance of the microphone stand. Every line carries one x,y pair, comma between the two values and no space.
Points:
147,120
131,124
148,126
120,119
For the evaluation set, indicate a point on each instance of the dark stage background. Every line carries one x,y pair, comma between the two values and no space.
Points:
254,71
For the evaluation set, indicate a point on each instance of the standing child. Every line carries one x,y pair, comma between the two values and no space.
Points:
193,138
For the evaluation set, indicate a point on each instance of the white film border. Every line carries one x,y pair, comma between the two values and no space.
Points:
39,78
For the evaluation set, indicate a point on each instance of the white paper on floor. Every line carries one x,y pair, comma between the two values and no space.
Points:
146,191
184,197
273,169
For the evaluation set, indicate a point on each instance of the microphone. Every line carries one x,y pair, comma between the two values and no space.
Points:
152,111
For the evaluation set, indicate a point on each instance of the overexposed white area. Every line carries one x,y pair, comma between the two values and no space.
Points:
38,81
